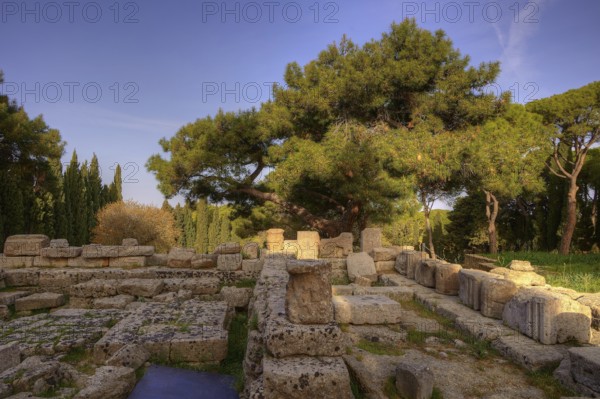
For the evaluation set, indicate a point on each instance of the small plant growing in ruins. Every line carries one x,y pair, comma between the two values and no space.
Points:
389,389
245,283
380,348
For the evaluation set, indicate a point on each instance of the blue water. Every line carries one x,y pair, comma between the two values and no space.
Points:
161,382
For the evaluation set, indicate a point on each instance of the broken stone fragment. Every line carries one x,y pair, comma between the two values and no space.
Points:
308,295
446,278
370,238
414,381
361,264
338,247
521,266
46,300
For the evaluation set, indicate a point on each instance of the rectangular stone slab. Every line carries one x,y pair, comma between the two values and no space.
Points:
366,309
585,366
116,251
39,301
25,244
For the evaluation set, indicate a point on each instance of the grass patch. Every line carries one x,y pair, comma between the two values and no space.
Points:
357,390
389,389
436,394
236,350
245,283
580,272
340,280
545,381
75,355
379,348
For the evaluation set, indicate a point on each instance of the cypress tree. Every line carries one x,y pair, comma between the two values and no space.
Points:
213,230
202,226
75,205
94,189
224,228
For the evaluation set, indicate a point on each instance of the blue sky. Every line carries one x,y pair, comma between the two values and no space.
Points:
115,77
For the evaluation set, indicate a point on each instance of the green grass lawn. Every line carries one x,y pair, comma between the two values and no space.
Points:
580,272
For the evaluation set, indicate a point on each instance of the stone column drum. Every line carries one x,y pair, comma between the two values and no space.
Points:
275,239
308,297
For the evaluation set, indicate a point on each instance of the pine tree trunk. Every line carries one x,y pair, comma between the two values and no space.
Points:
491,211
429,232
565,242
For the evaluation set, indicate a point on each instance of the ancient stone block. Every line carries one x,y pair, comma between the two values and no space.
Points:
40,261
470,287
59,243
585,366
338,247
521,266
10,355
230,262
204,261
115,251
140,287
252,265
366,309
385,266
25,244
9,297
361,264
370,238
306,377
108,382
309,242
519,277
227,248
133,356
157,260
495,293
180,257
127,262
384,254
446,278
236,297
61,252
425,273
593,302
88,262
414,381
207,345
96,288
362,281
250,250
16,262
46,300
113,302
21,277
548,317
398,294
129,242
275,240
407,261
308,295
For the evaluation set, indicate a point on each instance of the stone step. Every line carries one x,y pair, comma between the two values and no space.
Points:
46,300
366,309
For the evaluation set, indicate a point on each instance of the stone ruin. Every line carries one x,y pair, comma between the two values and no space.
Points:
127,306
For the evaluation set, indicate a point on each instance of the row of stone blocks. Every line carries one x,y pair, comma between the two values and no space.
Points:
516,295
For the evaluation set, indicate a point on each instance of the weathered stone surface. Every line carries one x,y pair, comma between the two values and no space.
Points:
40,261
115,251
204,261
7,262
88,262
385,266
384,254
361,264
59,243
61,252
338,247
275,240
446,278
548,317
109,382
96,288
4,312
133,356
362,281
180,257
140,287
228,248
306,377
129,242
113,302
127,262
366,309
495,293
414,381
585,366
470,287
236,297
407,262
250,250
252,265
370,238
44,300
308,295
593,302
425,273
198,286
21,277
398,294
309,242
230,262
10,355
9,297
25,245
521,266
157,260
519,277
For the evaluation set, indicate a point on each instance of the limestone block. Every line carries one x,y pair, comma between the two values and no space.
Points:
16,262
250,250
407,261
115,251
362,281
132,355
309,242
414,381
252,265
140,287
9,297
361,264
46,300
10,355
398,294
204,261
180,257
200,345
495,293
61,252
366,309
127,262
88,262
547,316
275,240
25,244
59,243
446,278
236,297
21,277
230,262
593,302
370,238
228,248
40,261
519,277
425,273
306,377
308,295
521,266
95,288
108,382
157,260
585,366
385,266
129,242
469,290
113,302
338,247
